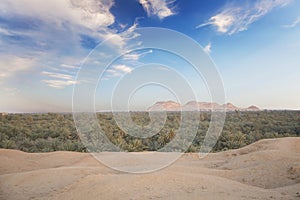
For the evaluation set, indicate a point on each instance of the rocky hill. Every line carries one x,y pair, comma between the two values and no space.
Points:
194,105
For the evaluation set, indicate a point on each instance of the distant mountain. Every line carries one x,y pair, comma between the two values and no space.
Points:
253,108
230,106
165,105
194,105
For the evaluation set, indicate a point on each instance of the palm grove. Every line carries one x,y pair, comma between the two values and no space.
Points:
57,132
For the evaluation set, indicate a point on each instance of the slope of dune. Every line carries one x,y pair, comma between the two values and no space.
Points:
268,169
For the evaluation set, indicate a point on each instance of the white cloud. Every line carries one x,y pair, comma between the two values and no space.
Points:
292,25
59,84
6,32
221,21
135,56
207,48
233,19
63,22
11,65
11,91
117,70
69,66
122,68
131,56
58,80
58,75
160,8
120,41
92,14
61,31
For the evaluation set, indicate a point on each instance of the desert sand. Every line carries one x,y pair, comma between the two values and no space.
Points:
268,169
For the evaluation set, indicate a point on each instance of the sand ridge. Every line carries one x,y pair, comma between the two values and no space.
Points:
268,169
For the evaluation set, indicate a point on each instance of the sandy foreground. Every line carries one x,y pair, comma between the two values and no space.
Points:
268,169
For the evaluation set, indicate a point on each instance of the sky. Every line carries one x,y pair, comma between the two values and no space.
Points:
47,48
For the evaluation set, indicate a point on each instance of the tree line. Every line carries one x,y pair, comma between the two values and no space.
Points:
48,132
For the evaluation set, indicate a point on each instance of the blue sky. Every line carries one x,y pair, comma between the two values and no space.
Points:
254,44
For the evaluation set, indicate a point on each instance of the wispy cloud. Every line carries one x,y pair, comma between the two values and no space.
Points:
5,32
10,65
69,66
293,24
11,91
123,68
235,18
53,38
117,70
75,27
58,80
207,48
59,84
29,26
159,8
92,14
136,56
58,75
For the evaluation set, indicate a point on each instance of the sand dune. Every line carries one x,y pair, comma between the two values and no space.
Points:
268,169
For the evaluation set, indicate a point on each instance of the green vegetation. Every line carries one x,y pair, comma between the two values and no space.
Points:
57,132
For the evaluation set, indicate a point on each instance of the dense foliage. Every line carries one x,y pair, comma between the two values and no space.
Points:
57,132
